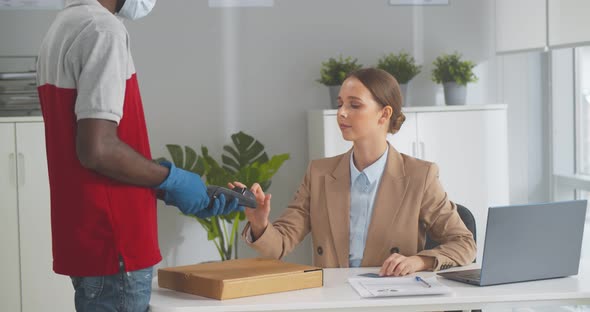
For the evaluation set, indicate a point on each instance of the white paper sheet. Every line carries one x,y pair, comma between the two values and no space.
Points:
397,286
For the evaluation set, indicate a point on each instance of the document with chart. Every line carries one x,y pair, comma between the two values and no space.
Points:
369,287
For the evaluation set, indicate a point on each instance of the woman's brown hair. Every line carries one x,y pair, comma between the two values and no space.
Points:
385,91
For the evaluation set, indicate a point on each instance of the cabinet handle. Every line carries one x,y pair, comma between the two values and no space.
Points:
422,150
414,150
21,169
12,165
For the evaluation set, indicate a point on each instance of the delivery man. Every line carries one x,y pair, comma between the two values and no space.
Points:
101,176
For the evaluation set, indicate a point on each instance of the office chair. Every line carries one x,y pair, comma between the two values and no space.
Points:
467,218
469,221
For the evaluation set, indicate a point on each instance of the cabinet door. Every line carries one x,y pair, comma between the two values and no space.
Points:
470,148
405,140
568,22
521,25
40,285
9,262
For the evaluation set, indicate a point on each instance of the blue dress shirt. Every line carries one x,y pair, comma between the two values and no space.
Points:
363,189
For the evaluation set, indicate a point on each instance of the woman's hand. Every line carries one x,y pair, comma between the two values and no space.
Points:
400,265
258,217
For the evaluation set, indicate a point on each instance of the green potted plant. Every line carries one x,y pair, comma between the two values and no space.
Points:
402,66
245,161
333,73
454,74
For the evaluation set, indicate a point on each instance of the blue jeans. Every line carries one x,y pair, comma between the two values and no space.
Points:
121,292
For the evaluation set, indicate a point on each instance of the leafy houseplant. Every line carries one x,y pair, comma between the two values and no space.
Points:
454,74
245,161
402,66
450,68
333,73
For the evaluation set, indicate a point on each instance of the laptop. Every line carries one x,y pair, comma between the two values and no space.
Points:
529,242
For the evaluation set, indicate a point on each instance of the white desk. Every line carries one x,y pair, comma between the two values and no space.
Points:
338,295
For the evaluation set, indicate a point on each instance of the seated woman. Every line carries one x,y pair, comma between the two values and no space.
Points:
371,206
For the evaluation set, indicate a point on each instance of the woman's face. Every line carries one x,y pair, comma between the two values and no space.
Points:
359,115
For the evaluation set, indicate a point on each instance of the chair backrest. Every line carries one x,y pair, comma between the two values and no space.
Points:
467,218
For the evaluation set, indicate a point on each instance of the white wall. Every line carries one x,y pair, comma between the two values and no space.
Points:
21,33
197,91
206,73
463,26
522,78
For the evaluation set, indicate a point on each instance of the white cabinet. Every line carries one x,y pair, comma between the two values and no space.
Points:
536,24
568,22
9,262
468,143
29,283
521,25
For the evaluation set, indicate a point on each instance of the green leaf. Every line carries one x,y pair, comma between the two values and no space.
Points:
200,167
269,168
262,159
265,185
186,159
230,164
450,68
216,175
246,152
190,158
229,218
242,140
234,230
160,159
402,66
232,151
208,226
177,154
245,161
334,71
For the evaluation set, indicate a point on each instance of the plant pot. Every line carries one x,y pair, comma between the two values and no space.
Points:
404,89
454,94
334,90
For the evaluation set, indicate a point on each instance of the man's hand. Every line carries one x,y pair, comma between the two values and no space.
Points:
220,207
184,189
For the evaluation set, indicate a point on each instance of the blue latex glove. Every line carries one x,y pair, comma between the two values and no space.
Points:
220,207
184,190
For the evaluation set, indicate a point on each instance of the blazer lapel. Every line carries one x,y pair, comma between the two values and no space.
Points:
388,201
337,190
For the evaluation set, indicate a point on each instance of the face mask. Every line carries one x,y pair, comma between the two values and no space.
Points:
135,9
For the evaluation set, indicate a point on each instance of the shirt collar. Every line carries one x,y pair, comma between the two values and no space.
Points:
373,172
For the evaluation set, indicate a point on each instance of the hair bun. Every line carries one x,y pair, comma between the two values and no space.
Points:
397,123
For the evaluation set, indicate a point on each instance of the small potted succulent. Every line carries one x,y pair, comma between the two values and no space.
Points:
402,66
333,73
454,74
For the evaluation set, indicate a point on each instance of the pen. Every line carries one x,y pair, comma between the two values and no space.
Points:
419,279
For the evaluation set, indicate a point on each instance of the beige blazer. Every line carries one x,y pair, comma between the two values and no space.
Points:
410,201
